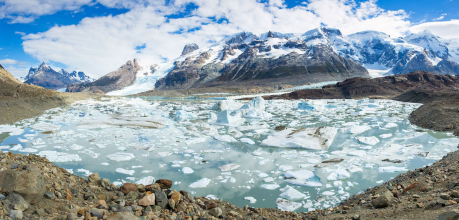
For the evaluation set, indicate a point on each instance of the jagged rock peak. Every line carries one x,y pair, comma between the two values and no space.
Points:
189,48
270,34
1,67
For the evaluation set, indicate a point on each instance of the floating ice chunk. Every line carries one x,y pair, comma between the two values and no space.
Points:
100,145
146,180
233,119
268,179
286,205
187,170
39,141
76,147
202,183
262,175
120,156
226,105
247,141
59,157
211,197
164,153
358,153
105,164
291,194
212,117
250,199
391,125
309,106
367,140
338,174
391,169
28,150
355,129
328,193
308,138
313,182
354,169
16,147
385,135
195,141
43,126
225,138
11,129
22,140
257,103
124,171
270,186
300,174
229,167
284,167
182,115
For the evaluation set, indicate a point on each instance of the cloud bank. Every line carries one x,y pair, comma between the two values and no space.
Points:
99,45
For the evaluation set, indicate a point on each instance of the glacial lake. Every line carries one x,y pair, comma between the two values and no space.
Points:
238,155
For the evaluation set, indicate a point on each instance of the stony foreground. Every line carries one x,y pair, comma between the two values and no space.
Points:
33,188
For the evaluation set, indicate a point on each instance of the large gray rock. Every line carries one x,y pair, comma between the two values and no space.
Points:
16,214
18,201
161,199
451,215
29,185
383,200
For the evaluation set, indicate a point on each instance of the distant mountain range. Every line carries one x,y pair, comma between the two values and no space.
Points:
277,59
47,77
322,54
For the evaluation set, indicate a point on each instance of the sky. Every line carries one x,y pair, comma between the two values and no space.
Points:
98,36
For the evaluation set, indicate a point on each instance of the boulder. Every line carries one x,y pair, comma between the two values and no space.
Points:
29,184
16,214
161,198
128,187
147,200
451,215
383,200
93,178
18,202
164,184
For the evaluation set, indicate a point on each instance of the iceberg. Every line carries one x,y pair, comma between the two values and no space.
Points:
120,156
59,157
307,138
291,194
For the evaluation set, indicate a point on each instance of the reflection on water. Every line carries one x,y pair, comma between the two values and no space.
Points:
89,131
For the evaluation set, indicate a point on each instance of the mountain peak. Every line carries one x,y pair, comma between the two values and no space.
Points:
1,67
189,48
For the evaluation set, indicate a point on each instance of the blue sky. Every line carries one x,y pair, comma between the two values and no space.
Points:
98,36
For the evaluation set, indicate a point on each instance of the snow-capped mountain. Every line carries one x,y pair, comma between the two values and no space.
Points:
320,54
116,80
47,77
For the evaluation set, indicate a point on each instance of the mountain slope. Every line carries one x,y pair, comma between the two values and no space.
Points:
262,60
47,77
116,80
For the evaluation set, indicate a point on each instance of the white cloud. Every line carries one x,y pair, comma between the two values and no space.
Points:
444,29
11,62
442,16
21,11
101,44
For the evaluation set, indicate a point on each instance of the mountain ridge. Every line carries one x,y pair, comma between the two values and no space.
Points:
47,77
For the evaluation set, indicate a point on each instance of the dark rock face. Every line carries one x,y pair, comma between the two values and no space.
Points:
116,80
189,48
405,87
1,67
47,77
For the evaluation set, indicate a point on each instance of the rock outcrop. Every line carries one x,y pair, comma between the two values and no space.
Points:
116,80
189,48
